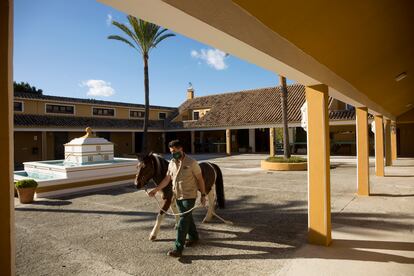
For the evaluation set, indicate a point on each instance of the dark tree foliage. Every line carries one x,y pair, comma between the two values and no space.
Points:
26,87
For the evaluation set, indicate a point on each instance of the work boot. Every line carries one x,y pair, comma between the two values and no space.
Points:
174,253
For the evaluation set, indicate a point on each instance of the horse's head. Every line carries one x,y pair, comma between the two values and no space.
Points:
145,170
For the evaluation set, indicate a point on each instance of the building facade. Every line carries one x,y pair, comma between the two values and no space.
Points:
42,124
237,122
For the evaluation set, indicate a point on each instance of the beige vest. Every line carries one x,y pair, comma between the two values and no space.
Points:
183,174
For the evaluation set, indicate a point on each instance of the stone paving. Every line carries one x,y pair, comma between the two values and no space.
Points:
106,232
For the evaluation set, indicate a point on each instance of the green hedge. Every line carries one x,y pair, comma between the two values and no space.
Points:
26,183
281,159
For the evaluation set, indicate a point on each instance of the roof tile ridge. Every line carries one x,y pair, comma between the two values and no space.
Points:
68,99
254,90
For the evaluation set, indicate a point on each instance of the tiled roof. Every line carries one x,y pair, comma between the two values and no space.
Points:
251,107
237,109
28,120
26,95
342,115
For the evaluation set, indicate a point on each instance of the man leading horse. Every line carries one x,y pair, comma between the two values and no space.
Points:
186,176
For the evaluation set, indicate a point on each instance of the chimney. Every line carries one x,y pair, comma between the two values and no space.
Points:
190,91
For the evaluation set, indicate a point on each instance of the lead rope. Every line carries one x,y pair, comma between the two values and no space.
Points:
186,212
172,213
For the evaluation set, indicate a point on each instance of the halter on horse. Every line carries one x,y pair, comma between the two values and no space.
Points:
152,166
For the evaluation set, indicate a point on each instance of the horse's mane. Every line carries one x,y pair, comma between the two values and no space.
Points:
160,167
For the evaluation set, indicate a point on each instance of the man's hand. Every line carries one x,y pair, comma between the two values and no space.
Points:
203,200
153,192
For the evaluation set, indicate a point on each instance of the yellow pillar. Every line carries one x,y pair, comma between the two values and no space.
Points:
7,245
362,150
393,140
388,160
192,142
228,141
379,145
272,141
319,195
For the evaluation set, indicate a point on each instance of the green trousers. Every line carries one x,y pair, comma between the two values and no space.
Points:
186,224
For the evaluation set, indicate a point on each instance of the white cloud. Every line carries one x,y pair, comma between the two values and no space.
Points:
213,57
194,53
98,88
109,19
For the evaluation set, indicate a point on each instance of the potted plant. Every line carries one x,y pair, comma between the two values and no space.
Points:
26,189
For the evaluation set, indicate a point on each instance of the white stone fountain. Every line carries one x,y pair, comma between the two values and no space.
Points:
89,165
88,148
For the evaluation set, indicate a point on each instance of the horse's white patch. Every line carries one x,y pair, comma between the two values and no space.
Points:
156,229
140,165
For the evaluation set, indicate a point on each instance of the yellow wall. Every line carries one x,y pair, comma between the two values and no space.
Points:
82,110
33,107
122,113
154,114
202,112
26,148
184,116
407,117
405,145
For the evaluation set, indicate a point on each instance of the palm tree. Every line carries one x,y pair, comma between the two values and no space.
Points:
143,37
283,99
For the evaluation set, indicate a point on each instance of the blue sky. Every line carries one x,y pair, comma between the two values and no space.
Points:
61,46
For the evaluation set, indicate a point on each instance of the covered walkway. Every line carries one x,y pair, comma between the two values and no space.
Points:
317,52
106,233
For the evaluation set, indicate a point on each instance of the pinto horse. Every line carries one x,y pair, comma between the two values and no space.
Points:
152,166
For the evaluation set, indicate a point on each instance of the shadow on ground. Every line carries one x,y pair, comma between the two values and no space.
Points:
261,230
361,250
278,230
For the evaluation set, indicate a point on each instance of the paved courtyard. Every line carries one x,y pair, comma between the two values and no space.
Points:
106,232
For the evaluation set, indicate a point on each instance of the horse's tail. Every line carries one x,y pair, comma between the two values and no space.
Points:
219,187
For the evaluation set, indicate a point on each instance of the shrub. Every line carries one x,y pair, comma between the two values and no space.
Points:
281,159
26,183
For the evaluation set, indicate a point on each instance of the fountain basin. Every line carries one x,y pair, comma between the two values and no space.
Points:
57,178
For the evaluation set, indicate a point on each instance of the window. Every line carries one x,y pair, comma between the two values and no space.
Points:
349,107
136,114
59,109
196,115
18,106
162,116
103,111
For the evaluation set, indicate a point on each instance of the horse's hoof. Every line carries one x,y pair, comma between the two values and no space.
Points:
152,238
